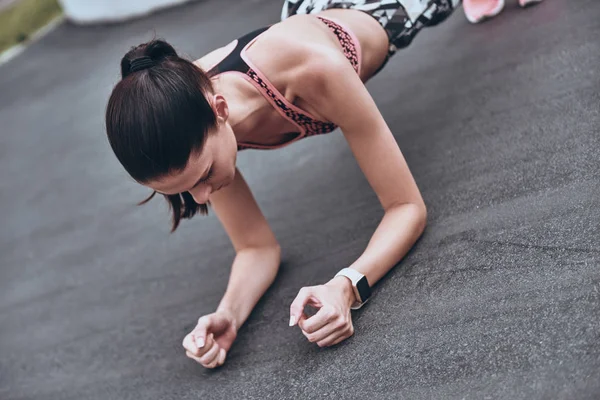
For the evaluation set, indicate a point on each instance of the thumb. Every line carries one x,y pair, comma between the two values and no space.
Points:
297,306
202,330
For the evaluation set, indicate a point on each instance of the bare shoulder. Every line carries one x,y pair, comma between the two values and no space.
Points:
296,46
322,67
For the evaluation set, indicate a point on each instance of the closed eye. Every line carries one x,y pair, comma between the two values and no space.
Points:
204,179
207,177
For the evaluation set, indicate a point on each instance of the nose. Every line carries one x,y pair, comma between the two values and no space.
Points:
201,194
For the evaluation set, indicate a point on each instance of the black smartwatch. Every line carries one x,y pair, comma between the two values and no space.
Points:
360,285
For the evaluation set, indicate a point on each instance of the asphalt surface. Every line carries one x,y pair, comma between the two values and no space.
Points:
500,299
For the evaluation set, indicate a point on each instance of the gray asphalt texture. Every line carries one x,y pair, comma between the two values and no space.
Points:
500,299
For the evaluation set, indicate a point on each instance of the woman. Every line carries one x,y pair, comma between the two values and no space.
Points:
176,126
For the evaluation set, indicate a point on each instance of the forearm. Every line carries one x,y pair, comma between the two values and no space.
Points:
398,231
252,272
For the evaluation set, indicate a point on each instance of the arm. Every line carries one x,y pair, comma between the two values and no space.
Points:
257,252
254,269
334,89
344,100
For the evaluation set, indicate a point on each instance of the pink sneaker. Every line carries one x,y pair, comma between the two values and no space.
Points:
479,10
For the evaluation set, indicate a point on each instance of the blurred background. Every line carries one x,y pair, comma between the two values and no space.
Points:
19,19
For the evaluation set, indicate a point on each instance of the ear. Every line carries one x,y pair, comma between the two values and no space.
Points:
221,108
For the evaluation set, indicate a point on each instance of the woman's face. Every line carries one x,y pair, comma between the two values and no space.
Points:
209,170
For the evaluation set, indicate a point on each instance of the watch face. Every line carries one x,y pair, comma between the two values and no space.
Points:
363,289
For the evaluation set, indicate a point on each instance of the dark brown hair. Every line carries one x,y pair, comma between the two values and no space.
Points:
157,115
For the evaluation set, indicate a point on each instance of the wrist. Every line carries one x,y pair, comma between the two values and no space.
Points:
345,286
230,315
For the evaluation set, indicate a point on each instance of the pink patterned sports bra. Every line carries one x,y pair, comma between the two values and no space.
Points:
237,61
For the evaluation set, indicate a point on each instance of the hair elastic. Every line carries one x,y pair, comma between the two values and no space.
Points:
140,63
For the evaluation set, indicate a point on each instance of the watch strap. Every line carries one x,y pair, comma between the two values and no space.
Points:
355,277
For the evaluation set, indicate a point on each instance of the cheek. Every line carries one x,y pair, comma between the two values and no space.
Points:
227,156
232,166
233,143
233,154
227,160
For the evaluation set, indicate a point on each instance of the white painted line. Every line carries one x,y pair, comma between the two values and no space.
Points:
11,53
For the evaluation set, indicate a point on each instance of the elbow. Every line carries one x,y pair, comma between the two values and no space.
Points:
267,257
275,256
269,252
415,212
273,248
276,249
272,252
421,217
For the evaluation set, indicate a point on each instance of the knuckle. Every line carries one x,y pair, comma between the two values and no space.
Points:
304,291
213,363
204,360
310,337
309,328
329,314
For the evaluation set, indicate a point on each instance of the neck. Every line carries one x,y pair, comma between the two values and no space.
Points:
244,106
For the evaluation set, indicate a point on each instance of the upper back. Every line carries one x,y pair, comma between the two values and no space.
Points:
279,61
279,46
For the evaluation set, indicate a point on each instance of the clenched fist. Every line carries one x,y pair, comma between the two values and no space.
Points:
333,322
211,339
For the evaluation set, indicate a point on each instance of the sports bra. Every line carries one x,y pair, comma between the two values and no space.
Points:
237,62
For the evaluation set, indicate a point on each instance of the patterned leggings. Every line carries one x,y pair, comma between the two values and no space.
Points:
401,19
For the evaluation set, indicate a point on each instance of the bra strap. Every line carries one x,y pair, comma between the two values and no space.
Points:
234,61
